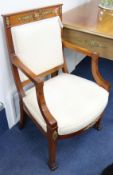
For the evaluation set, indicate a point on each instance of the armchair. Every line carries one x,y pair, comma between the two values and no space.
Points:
65,104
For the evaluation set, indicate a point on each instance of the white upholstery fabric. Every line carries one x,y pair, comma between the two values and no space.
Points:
38,44
73,101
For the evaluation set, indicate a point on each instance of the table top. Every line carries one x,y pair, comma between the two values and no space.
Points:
90,18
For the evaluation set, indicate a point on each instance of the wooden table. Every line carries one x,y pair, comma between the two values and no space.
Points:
91,27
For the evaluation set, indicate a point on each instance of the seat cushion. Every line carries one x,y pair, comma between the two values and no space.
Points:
73,101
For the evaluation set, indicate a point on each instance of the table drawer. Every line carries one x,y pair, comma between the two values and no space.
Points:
99,44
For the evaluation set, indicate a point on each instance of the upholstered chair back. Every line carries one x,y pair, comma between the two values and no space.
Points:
38,44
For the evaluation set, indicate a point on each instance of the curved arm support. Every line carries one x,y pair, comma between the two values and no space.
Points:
94,63
96,74
51,122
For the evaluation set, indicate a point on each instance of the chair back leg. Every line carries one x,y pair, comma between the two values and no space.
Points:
98,125
22,116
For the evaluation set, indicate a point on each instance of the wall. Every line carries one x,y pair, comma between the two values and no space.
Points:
7,87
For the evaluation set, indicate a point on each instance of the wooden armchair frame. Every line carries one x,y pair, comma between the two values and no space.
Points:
19,18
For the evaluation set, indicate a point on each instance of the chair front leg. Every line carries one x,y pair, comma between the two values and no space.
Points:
52,143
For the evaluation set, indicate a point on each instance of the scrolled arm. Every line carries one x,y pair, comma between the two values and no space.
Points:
96,74
38,82
52,123
94,63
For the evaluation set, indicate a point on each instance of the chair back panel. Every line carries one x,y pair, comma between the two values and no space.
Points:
21,18
38,44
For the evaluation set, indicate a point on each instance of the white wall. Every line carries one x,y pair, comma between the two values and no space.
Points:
7,87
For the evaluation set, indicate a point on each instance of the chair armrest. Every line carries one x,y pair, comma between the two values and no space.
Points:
50,120
75,47
96,74
17,62
94,63
39,83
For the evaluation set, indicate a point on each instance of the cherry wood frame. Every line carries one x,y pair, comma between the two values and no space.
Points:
52,135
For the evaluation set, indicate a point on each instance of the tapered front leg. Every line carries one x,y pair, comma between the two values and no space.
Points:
52,143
